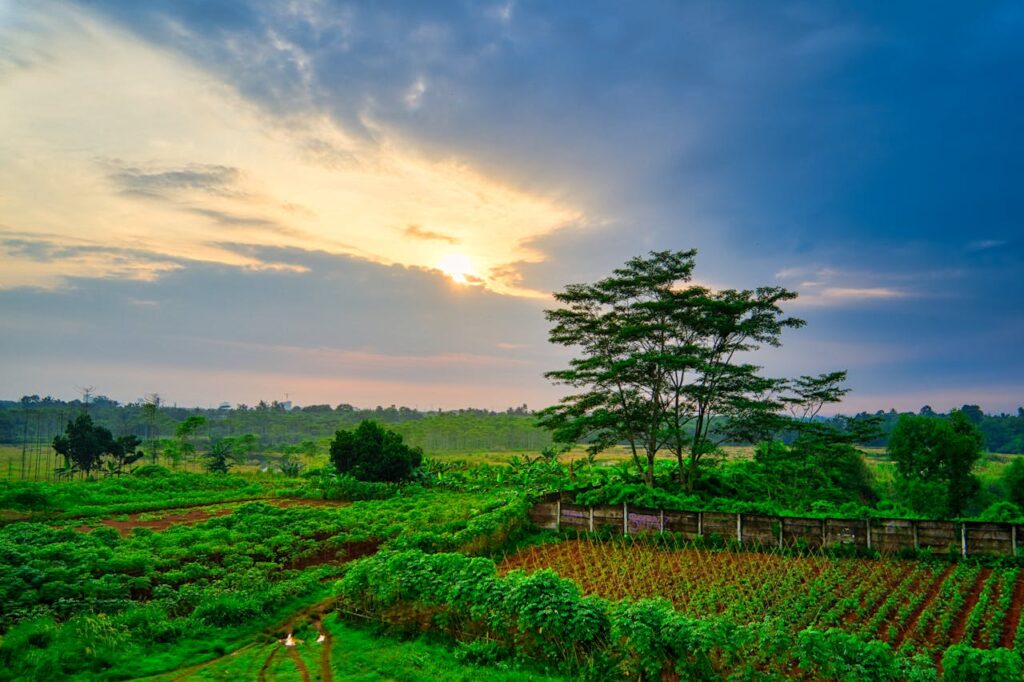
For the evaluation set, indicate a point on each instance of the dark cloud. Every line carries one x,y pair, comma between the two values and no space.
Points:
872,140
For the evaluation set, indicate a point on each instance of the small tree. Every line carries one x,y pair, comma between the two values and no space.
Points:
186,433
83,444
125,451
935,459
372,453
150,409
1013,482
220,457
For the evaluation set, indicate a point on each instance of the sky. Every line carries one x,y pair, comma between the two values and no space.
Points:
372,203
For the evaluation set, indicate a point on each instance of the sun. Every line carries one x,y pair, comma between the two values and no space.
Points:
458,267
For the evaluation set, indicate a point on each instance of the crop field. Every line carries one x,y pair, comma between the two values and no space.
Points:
922,607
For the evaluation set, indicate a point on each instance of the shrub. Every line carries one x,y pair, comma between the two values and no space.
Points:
962,663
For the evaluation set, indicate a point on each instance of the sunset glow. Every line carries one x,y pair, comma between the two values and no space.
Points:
178,180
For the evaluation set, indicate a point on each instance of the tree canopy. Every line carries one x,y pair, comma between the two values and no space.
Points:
934,459
663,365
372,453
84,446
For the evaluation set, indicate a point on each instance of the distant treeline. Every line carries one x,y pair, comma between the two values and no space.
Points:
33,420
1003,432
37,420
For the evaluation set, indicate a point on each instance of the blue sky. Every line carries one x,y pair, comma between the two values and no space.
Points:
371,202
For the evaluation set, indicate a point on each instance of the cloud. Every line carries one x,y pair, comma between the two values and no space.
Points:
167,184
861,293
417,232
327,325
985,244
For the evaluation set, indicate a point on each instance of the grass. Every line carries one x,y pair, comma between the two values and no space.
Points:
357,653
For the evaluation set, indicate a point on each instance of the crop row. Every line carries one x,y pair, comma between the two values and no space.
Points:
543,617
922,607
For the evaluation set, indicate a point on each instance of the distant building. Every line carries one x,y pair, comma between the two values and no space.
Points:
224,407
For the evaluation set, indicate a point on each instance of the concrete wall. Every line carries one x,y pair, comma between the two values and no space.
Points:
885,535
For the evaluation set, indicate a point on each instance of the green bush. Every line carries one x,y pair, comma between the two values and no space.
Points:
962,663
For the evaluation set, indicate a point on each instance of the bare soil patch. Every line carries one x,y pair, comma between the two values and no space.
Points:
199,513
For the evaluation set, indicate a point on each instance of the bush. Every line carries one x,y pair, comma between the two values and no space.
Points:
152,471
373,453
962,663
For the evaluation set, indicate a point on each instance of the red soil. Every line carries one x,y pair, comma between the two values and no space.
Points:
200,513
960,624
1010,625
915,615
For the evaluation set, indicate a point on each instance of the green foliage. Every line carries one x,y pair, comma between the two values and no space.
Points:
152,471
1002,512
289,466
372,453
84,446
1013,482
839,655
154,489
88,605
543,617
934,460
220,457
962,663
660,365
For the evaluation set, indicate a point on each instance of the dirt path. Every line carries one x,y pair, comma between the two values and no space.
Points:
299,663
960,624
915,615
326,675
267,663
1010,625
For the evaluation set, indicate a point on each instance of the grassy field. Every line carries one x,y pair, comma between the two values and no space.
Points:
328,648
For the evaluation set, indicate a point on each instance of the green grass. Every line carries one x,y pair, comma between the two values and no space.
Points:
357,653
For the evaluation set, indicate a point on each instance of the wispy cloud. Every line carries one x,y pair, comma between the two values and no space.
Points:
819,285
167,184
862,293
985,244
417,232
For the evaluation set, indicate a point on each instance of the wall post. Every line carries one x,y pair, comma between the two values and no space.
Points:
963,540
917,544
661,522
700,524
625,518
591,519
739,528
558,513
867,525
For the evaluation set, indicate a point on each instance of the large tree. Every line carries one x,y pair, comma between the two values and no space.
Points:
935,461
661,363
